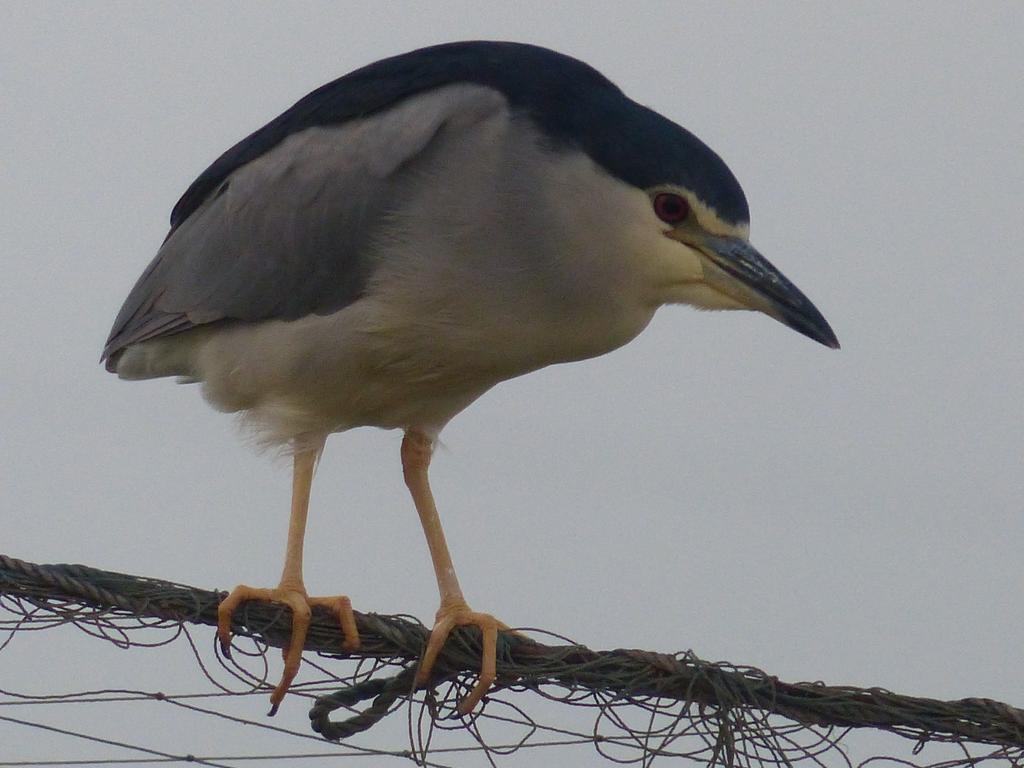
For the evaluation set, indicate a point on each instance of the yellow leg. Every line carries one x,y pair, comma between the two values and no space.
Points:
292,591
454,611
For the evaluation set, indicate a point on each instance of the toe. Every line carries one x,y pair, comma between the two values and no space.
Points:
438,636
488,664
227,608
341,607
293,654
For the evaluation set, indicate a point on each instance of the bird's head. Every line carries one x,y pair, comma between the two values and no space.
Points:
706,261
688,213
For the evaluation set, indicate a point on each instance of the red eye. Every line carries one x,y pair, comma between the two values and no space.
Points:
670,208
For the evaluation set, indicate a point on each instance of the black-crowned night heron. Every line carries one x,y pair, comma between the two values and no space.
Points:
404,238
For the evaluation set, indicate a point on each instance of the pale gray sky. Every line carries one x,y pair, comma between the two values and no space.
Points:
722,483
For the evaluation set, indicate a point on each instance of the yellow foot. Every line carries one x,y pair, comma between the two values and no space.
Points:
457,614
301,605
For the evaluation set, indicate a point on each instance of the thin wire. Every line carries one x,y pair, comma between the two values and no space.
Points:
110,742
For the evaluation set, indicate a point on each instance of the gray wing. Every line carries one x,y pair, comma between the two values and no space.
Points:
287,234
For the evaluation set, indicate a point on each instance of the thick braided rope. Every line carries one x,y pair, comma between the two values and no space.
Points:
624,673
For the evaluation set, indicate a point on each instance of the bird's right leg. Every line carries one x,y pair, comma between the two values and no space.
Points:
454,611
291,590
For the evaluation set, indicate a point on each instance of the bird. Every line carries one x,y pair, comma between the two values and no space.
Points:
413,233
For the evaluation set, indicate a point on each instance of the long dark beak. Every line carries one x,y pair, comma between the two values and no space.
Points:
739,271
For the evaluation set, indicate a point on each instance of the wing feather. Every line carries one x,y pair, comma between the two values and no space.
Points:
288,233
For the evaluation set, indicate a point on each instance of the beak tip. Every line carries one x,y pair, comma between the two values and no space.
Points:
831,341
810,323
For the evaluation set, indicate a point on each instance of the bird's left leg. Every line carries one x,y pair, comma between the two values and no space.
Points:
292,590
454,611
